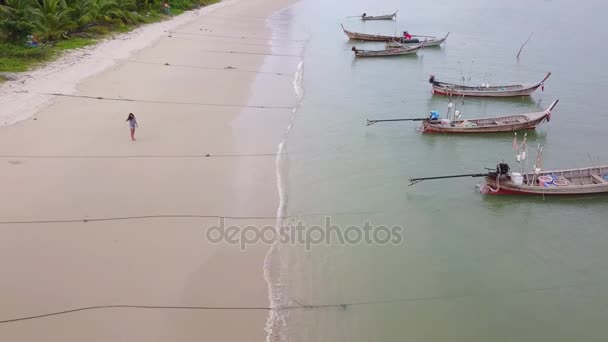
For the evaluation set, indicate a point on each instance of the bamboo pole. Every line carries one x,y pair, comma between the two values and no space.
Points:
524,44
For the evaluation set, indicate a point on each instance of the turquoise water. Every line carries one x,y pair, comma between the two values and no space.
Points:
470,268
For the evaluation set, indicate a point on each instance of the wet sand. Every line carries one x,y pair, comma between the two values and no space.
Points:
206,146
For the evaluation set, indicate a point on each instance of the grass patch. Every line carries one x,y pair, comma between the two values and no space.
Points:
98,30
123,28
19,58
151,17
3,79
14,64
74,43
209,2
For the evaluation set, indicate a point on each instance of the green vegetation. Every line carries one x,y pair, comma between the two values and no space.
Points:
18,58
36,31
74,43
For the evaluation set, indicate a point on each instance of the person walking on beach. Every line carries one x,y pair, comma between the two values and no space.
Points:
132,125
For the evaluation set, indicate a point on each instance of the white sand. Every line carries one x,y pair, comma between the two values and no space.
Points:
75,161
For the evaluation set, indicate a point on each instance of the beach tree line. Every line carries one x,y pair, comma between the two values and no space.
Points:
39,21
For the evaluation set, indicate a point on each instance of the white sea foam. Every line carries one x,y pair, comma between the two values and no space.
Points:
277,319
298,84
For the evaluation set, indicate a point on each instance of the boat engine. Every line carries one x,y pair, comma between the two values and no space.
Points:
502,169
432,79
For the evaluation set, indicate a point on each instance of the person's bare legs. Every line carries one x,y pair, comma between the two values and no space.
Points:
133,134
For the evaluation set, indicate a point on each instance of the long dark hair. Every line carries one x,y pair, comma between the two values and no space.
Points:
130,117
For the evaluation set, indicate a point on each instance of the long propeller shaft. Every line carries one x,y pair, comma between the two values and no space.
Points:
418,180
371,122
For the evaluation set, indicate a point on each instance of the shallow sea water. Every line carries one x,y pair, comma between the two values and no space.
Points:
470,267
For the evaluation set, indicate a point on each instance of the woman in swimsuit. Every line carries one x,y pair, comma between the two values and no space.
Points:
132,124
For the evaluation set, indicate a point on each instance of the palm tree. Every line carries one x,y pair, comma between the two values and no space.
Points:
110,12
15,24
82,12
129,11
52,19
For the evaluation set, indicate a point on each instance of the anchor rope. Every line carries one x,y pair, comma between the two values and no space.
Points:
166,102
233,69
343,306
239,37
143,156
185,216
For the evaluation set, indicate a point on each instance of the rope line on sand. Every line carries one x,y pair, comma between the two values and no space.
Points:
209,68
151,307
241,43
184,216
300,306
252,53
143,217
246,16
270,44
164,102
239,37
142,156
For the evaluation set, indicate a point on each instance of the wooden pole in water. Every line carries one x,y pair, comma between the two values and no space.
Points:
524,44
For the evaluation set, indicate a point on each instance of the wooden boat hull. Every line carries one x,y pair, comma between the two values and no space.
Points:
509,123
380,17
525,91
585,181
431,42
386,53
498,129
450,89
368,37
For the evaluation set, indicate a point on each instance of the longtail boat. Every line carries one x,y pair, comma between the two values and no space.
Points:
387,53
379,17
504,181
486,90
585,181
508,123
427,42
375,37
453,124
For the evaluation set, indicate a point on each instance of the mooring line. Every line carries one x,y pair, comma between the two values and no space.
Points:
284,23
246,16
239,37
177,156
155,307
252,53
142,217
300,306
165,102
187,216
247,44
228,68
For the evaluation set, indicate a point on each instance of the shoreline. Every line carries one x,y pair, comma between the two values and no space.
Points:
73,160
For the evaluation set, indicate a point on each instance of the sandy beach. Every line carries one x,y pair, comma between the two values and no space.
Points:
89,218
